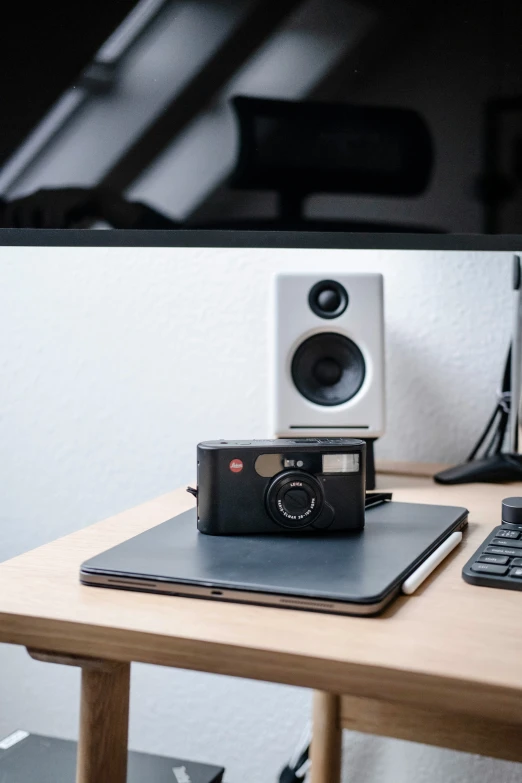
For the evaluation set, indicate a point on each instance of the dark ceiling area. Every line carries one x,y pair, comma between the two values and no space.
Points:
148,113
44,47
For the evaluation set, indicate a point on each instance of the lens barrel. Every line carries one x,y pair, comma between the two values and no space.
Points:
294,499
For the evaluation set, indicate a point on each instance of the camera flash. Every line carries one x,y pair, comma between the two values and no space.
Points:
340,463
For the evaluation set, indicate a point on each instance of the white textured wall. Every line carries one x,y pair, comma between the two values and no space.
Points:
115,362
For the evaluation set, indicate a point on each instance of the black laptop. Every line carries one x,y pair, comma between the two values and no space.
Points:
341,573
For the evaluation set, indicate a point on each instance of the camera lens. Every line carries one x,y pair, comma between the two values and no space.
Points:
294,499
328,299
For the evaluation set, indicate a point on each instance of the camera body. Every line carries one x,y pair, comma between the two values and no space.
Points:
300,486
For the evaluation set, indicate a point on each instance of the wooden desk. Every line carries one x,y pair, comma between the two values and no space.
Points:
442,666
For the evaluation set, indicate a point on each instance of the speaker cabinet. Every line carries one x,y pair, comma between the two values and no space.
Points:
328,360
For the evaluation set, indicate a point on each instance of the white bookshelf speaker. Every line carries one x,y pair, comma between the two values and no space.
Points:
328,356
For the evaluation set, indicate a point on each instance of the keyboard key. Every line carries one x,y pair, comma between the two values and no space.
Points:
517,561
507,534
516,572
500,542
491,569
504,550
495,559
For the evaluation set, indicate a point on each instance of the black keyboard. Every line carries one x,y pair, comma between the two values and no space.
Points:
498,560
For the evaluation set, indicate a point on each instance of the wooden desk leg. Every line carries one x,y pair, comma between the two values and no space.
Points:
326,738
104,716
104,722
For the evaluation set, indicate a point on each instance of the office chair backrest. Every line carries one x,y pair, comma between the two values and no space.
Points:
305,147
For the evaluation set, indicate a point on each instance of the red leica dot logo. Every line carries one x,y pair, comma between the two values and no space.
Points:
236,466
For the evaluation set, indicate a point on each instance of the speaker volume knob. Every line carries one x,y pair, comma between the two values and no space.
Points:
512,511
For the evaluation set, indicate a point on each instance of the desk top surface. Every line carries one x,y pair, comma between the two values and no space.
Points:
450,645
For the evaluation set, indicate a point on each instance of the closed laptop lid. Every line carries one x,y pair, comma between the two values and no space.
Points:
355,568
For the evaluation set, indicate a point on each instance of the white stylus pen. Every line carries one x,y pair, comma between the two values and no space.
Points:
430,564
516,355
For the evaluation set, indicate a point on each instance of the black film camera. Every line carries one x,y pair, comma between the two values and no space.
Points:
281,486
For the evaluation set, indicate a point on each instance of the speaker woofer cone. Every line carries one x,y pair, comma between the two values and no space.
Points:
328,369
